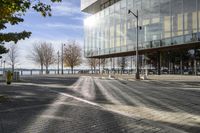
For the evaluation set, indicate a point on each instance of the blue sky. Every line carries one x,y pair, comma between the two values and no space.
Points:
65,24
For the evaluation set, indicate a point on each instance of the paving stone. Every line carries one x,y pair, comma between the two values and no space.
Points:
38,105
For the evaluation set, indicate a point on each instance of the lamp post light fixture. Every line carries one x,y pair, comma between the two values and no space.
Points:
137,74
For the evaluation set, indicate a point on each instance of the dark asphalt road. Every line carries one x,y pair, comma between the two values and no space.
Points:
47,105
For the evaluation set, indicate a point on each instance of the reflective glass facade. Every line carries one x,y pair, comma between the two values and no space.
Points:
164,23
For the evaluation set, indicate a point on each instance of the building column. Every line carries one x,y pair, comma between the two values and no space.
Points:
169,62
195,63
145,64
158,63
99,65
21,72
195,66
113,59
181,63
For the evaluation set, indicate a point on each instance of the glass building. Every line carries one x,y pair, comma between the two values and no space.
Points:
167,26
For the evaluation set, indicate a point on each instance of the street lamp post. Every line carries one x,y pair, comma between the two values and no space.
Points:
137,75
4,67
62,58
99,62
58,61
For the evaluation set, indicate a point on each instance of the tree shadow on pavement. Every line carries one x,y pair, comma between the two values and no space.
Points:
100,97
77,117
24,96
170,98
67,81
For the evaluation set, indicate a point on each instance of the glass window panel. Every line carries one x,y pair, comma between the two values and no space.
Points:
194,21
129,4
107,32
177,21
117,24
165,12
190,21
155,20
112,32
118,35
186,23
155,28
167,26
180,24
146,22
123,4
198,19
123,22
137,5
145,34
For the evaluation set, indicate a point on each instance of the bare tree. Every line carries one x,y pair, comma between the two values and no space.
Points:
49,56
72,54
103,62
93,62
122,63
37,55
13,56
43,54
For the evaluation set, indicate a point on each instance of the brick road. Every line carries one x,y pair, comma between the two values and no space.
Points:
88,104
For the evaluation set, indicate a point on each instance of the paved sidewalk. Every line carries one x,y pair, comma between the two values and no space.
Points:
35,109
46,104
130,77
154,77
1,78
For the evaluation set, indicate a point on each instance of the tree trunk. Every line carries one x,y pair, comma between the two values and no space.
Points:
91,69
42,69
72,69
13,68
47,71
94,70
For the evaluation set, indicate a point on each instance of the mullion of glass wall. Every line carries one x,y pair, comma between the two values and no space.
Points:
190,21
117,27
130,32
137,5
165,16
102,31
198,7
123,14
177,22
145,18
112,29
107,30
151,32
97,37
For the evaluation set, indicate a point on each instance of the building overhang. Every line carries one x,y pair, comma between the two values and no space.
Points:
91,8
151,50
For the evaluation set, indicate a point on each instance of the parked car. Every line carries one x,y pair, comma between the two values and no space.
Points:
164,71
152,71
187,72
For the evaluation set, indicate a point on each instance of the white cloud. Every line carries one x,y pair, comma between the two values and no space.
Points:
65,9
55,25
78,18
63,26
